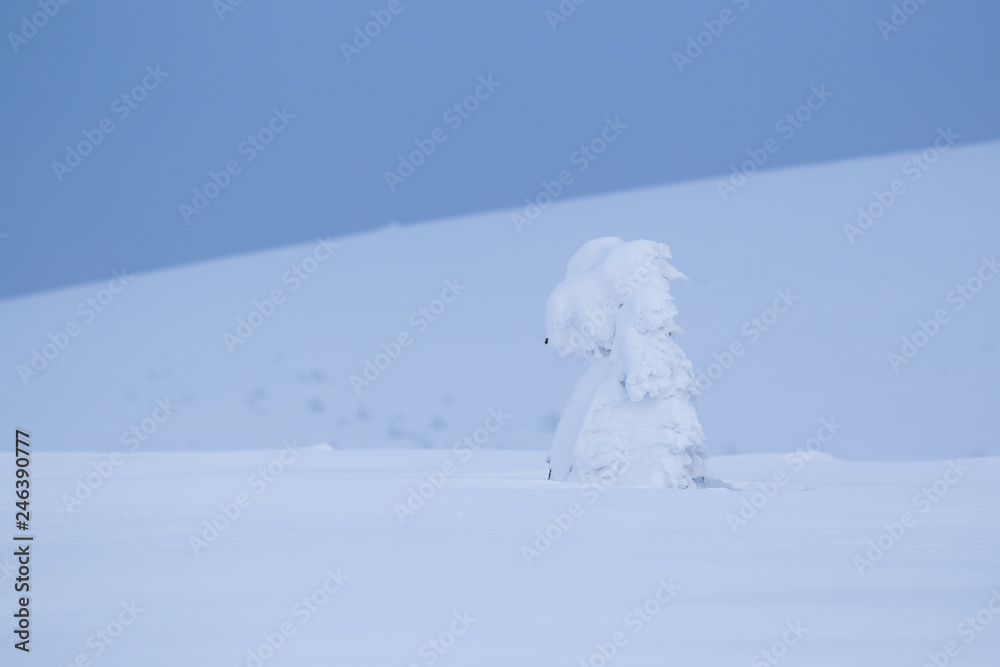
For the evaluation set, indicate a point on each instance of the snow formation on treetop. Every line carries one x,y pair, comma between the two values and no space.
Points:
630,416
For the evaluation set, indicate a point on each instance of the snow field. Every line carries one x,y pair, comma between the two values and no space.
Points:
400,585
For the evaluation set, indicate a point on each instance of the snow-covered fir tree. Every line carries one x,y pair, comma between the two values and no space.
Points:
630,417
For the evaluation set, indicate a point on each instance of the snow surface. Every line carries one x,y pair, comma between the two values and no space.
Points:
163,336
630,417
463,551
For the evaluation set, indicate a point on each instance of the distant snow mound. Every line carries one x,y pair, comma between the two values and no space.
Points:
630,417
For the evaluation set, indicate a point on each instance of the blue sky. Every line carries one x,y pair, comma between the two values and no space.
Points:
344,124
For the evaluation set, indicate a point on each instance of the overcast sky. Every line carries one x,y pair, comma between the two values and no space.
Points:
219,82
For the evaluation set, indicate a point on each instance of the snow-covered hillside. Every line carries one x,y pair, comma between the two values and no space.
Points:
789,319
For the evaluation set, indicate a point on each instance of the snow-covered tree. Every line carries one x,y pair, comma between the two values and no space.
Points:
630,417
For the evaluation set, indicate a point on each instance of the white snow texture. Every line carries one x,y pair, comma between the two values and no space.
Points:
630,418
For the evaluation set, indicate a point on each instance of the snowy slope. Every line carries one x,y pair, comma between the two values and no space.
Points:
319,550
778,242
